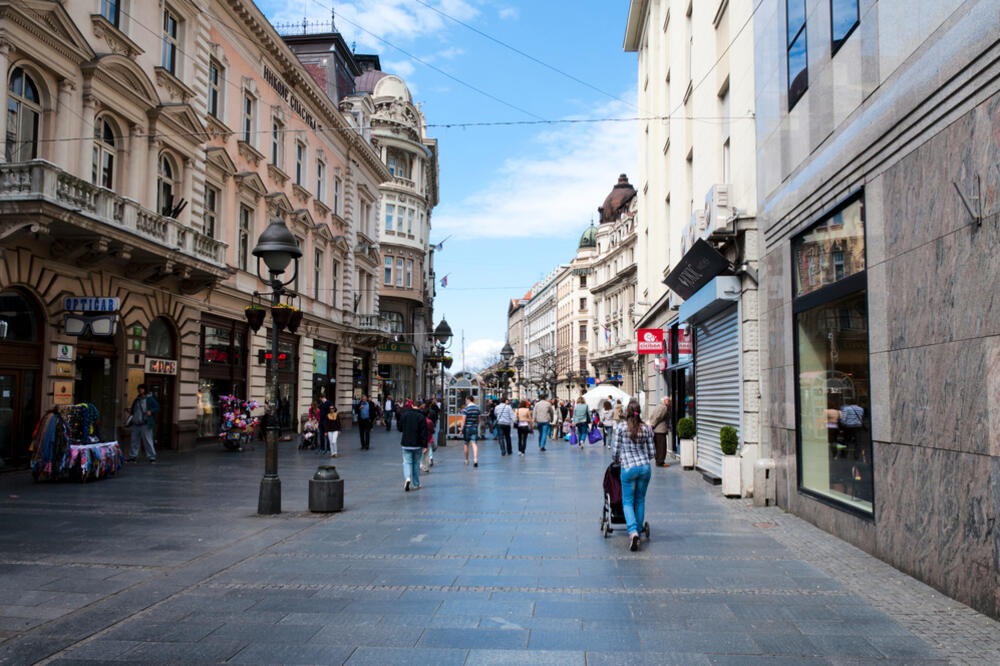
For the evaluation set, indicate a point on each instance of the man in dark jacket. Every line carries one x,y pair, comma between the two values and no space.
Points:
413,425
365,412
324,409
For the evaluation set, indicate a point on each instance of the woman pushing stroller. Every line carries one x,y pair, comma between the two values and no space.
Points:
632,445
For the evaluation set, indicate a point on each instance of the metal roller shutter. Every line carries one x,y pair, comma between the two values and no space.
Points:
717,384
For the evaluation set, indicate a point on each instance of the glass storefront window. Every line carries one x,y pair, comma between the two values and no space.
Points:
217,346
830,251
831,329
159,340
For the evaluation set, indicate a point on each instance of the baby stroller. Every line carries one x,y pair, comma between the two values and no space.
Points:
613,513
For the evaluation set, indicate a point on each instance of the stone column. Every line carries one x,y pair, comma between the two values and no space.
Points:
187,188
86,148
152,170
136,164
4,65
64,125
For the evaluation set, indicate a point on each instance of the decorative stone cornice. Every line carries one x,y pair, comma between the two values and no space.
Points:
249,153
117,41
277,175
175,88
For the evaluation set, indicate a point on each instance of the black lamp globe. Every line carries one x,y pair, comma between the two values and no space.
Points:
518,363
277,246
443,332
506,353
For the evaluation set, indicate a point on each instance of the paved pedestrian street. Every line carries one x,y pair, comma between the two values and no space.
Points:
503,564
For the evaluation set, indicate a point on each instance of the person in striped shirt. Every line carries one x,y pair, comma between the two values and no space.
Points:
471,430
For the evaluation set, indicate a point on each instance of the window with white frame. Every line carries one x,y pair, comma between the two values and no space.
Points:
387,278
167,184
277,142
171,40
300,163
317,274
243,237
409,221
24,113
320,180
390,211
334,280
215,89
105,153
337,187
399,271
409,273
211,210
249,118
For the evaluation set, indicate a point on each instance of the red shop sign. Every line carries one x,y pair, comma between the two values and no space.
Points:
650,341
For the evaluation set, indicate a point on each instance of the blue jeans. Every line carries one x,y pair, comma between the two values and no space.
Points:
411,465
634,484
581,433
543,434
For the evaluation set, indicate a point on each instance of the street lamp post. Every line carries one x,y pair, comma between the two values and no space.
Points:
518,364
442,334
277,248
506,353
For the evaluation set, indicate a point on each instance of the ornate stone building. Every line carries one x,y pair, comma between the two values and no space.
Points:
144,152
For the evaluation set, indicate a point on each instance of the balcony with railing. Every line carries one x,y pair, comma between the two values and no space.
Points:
41,181
375,324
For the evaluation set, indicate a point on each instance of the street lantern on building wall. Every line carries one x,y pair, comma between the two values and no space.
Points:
277,248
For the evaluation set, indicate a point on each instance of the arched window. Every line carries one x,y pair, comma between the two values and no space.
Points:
105,151
159,340
166,185
18,318
24,111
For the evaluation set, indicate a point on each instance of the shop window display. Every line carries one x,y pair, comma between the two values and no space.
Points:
831,327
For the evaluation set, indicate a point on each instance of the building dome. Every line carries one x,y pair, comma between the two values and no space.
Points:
589,237
620,195
366,82
391,85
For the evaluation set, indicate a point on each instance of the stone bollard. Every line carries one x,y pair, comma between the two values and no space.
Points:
326,490
763,482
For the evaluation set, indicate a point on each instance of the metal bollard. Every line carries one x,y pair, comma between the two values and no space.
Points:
326,490
763,482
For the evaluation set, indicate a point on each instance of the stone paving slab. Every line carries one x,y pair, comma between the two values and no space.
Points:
503,564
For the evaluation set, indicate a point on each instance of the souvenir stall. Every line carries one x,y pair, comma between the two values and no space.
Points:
238,422
462,384
68,445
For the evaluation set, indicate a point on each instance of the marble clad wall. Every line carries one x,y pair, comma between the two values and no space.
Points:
933,278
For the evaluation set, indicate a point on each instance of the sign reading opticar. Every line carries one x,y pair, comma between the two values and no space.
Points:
91,304
650,340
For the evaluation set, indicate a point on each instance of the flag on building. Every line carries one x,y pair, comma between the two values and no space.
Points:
444,280
440,246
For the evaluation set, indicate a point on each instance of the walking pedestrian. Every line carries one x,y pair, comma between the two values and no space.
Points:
144,409
619,413
365,413
332,425
544,414
524,425
426,461
434,416
607,417
324,409
581,416
471,430
388,411
413,425
505,419
659,421
633,447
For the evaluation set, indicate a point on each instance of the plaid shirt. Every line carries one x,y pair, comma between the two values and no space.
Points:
632,454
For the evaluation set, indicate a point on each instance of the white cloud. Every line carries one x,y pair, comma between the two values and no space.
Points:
509,13
556,189
478,354
403,69
366,21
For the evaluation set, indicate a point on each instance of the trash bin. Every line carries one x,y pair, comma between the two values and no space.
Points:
326,490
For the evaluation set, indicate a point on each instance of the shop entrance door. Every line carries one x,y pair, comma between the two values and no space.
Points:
95,383
17,410
161,387
681,401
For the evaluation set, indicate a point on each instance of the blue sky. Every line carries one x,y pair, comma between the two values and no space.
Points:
514,199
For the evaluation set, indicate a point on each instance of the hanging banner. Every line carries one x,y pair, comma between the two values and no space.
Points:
650,341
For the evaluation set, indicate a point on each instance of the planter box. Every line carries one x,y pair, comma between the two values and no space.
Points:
731,476
687,454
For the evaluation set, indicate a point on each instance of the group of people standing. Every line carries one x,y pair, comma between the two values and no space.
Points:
323,413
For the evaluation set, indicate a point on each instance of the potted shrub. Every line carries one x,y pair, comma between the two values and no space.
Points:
281,314
255,316
729,442
294,321
686,432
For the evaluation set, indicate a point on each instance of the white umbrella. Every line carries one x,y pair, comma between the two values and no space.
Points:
595,397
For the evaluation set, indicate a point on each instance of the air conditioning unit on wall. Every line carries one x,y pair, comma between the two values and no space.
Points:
717,211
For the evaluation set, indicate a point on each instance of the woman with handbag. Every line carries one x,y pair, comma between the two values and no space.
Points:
524,425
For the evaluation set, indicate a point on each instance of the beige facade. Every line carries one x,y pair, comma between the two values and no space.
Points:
146,153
